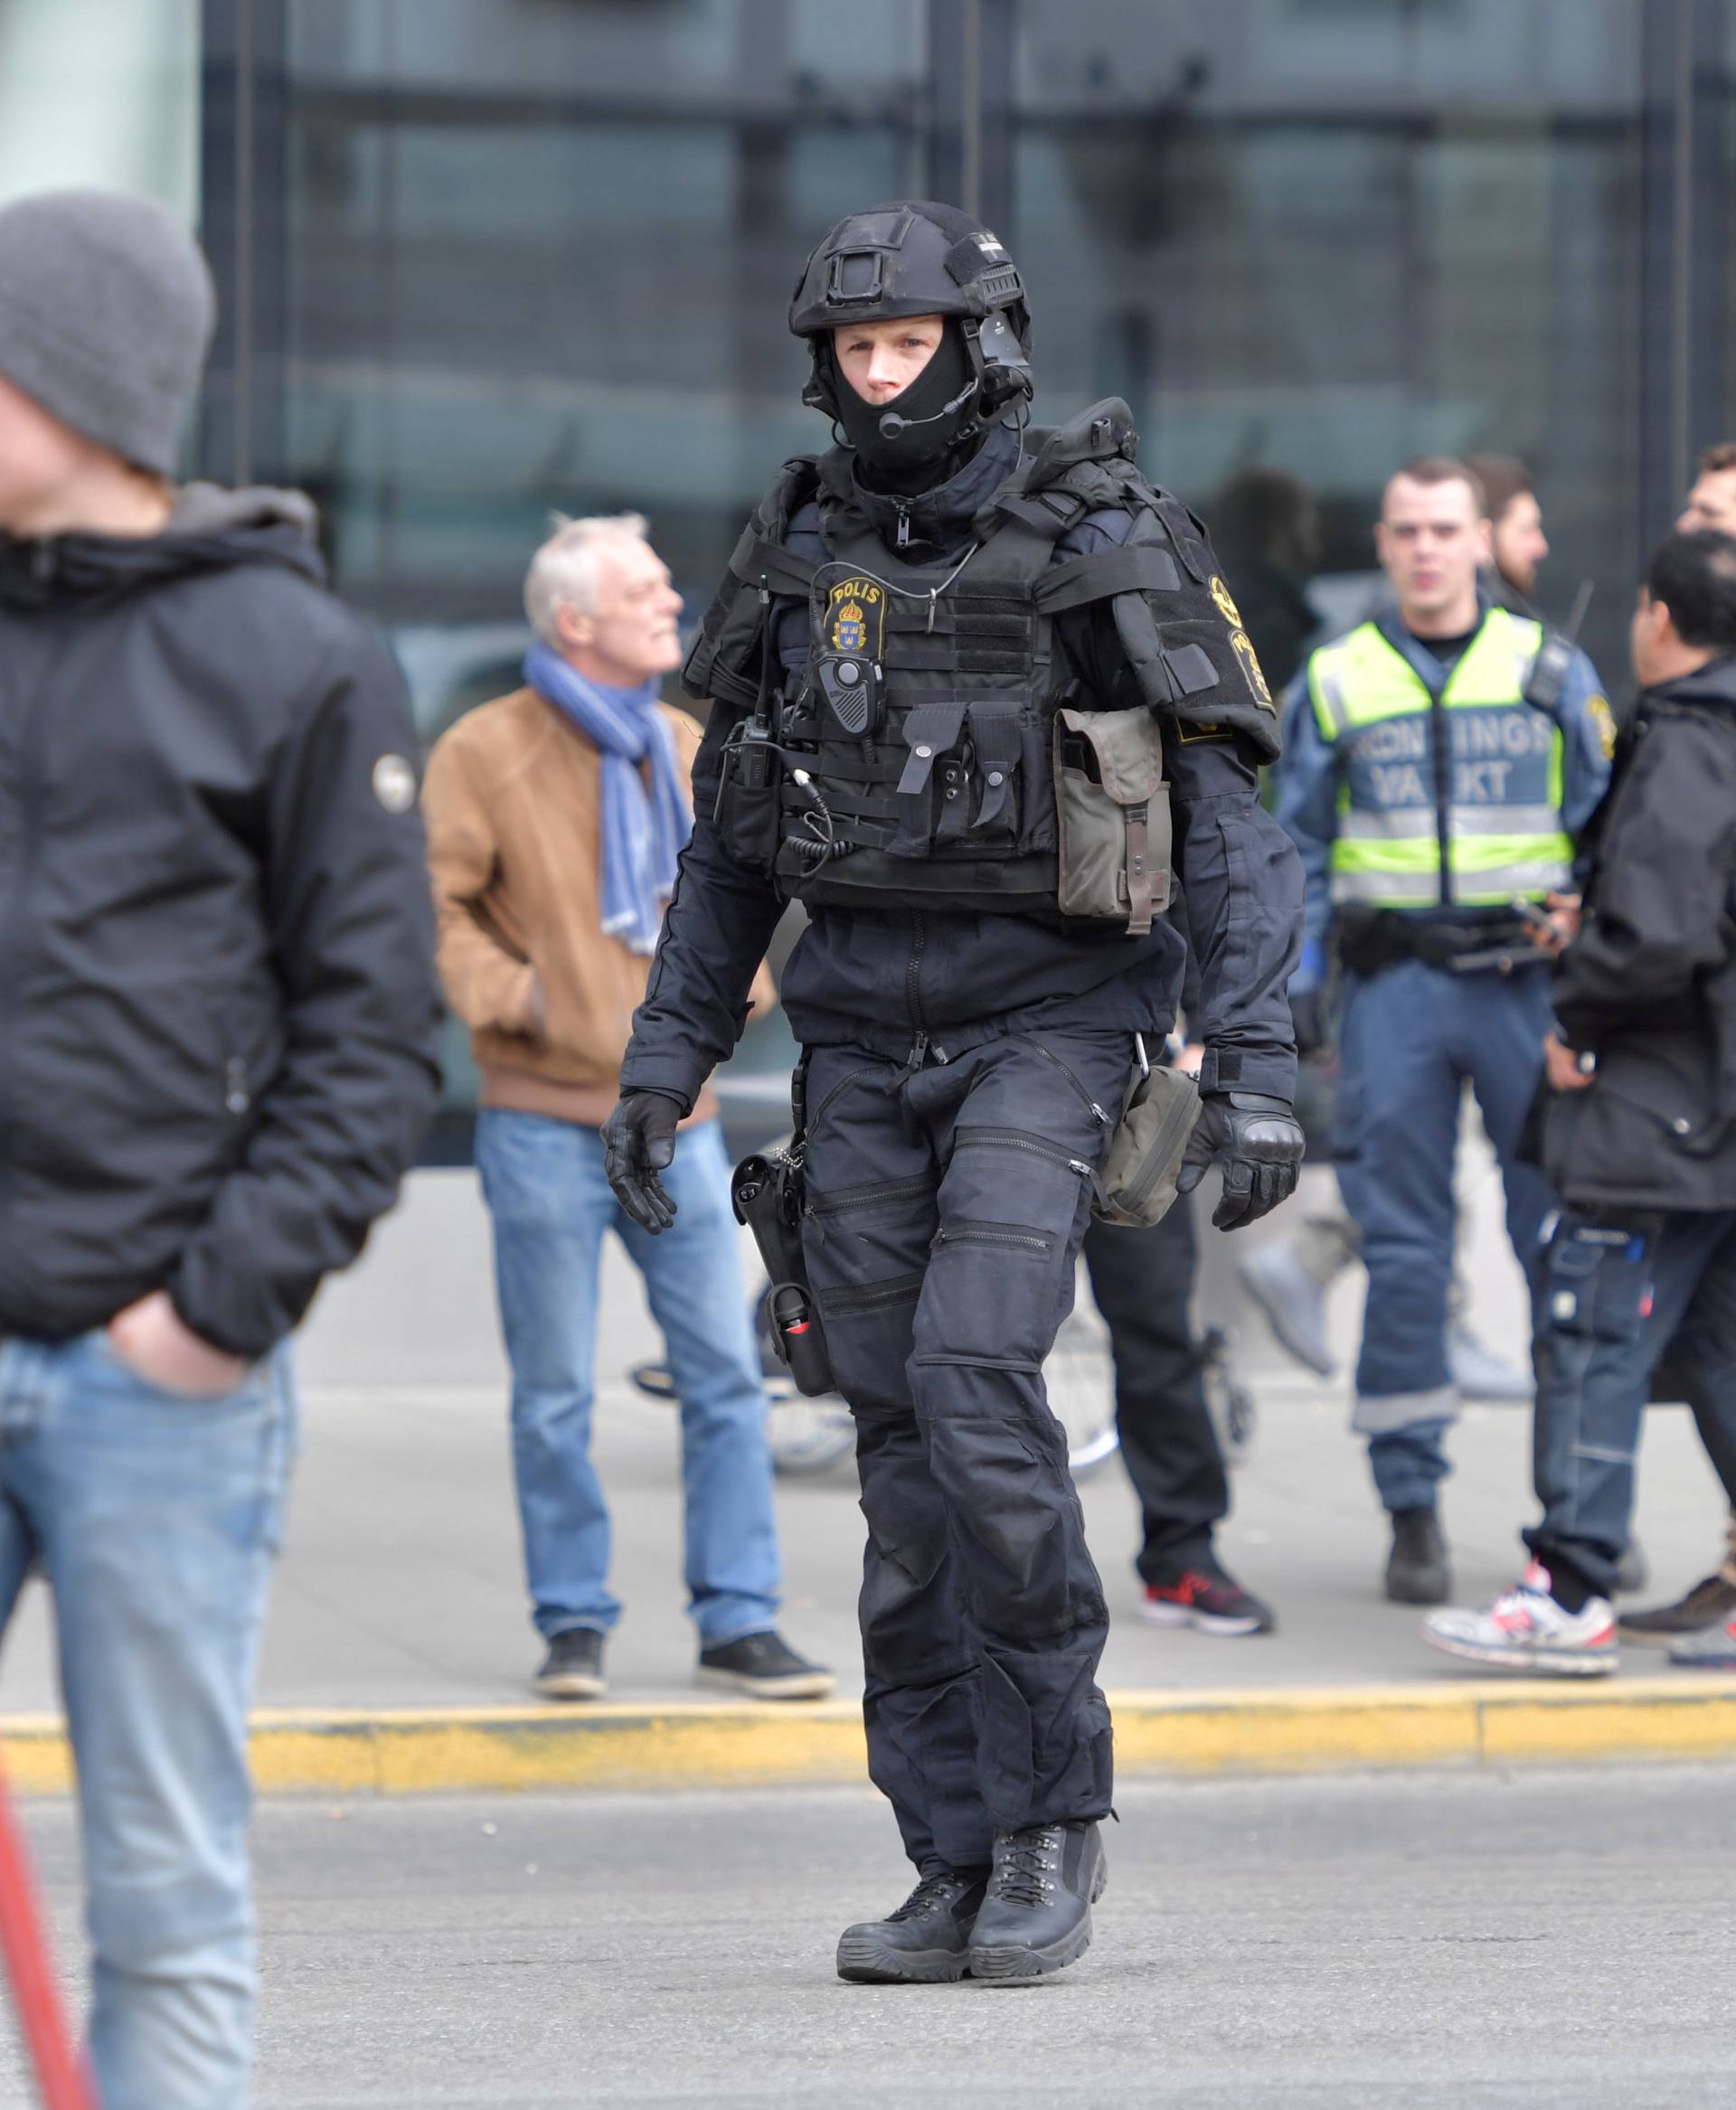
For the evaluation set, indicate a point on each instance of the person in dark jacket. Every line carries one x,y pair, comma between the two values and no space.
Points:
217,1031
885,638
1640,1140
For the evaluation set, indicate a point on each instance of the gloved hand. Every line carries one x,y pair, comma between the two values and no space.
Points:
1262,1147
640,1142
1309,1021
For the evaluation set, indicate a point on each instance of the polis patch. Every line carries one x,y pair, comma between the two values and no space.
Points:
855,619
1248,660
1603,721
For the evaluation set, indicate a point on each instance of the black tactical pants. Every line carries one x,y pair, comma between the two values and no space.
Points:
946,1211
1143,1281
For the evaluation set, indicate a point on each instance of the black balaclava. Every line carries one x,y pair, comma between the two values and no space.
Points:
921,454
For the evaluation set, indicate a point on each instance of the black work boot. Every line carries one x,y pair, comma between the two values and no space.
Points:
1037,1915
926,1942
1417,1569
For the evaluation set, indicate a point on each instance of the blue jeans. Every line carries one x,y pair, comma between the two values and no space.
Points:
153,1519
1617,1289
1409,1039
551,1204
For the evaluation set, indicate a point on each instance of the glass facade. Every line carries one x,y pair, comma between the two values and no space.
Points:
484,260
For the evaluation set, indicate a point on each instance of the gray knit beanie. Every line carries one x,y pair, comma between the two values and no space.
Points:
106,312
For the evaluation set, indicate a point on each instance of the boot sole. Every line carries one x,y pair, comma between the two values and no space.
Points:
865,1960
801,1685
570,1685
1014,1965
1529,1662
1228,1624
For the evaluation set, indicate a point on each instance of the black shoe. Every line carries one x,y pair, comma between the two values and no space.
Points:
1708,1604
1037,1915
926,1942
765,1667
1417,1569
573,1668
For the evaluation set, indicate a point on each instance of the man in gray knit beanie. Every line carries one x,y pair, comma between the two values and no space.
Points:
106,314
217,1019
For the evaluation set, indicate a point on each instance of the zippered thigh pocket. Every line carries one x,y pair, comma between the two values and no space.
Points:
1003,1237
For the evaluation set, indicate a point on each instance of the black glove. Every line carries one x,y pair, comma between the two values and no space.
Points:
1262,1147
1309,1021
640,1142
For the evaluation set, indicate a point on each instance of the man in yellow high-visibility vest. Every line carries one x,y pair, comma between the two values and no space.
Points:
1439,761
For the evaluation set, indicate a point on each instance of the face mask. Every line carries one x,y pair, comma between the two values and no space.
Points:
925,420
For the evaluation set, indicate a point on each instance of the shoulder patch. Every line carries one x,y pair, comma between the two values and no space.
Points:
1191,731
1596,709
1225,601
1248,660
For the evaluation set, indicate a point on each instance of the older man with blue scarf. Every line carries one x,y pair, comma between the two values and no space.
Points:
555,816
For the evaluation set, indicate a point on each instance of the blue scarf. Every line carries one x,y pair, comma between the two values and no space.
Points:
642,834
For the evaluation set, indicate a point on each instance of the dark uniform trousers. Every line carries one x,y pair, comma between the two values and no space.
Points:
1143,1281
947,1207
1619,1289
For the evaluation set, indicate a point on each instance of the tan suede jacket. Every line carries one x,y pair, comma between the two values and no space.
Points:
512,801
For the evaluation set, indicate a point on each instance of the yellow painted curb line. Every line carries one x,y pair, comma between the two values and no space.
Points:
697,1744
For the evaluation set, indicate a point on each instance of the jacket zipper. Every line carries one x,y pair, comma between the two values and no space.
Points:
1085,1098
993,1234
903,539
1012,1139
1443,790
922,1047
27,790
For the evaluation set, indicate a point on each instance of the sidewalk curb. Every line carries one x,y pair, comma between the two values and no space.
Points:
698,1744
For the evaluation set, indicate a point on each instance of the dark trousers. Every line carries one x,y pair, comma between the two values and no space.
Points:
946,1211
1617,1289
1143,1281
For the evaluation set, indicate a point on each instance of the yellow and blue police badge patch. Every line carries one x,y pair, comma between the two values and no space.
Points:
1603,720
855,619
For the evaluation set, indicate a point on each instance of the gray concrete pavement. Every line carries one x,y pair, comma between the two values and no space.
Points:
1432,1942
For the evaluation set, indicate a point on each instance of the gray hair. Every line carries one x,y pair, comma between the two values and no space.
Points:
564,571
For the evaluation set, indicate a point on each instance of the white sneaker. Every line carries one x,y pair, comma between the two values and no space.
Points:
1481,1374
1527,1630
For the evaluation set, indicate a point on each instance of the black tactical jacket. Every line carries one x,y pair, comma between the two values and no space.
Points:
894,980
1649,985
217,996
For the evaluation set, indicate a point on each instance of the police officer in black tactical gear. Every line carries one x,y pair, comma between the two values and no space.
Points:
975,689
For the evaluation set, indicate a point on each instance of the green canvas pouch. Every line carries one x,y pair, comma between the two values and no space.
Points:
1137,1183
1112,816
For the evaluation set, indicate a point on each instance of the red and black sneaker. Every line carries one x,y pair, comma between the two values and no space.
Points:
1207,1599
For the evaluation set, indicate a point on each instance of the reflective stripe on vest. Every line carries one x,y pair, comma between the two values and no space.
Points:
1502,820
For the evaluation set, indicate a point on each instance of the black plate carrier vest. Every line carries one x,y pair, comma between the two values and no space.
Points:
914,765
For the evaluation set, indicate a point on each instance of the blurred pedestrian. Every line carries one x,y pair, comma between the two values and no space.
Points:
1712,502
218,1046
1640,1141
1517,543
1431,782
1268,535
555,815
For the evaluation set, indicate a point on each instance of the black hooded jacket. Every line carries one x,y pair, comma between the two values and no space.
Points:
217,999
1649,985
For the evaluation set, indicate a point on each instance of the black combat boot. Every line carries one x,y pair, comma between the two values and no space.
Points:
1417,1570
1037,1915
926,1942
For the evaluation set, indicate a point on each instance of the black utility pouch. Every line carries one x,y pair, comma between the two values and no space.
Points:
767,1192
746,815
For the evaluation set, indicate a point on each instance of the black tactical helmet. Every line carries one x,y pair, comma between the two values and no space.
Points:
914,257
